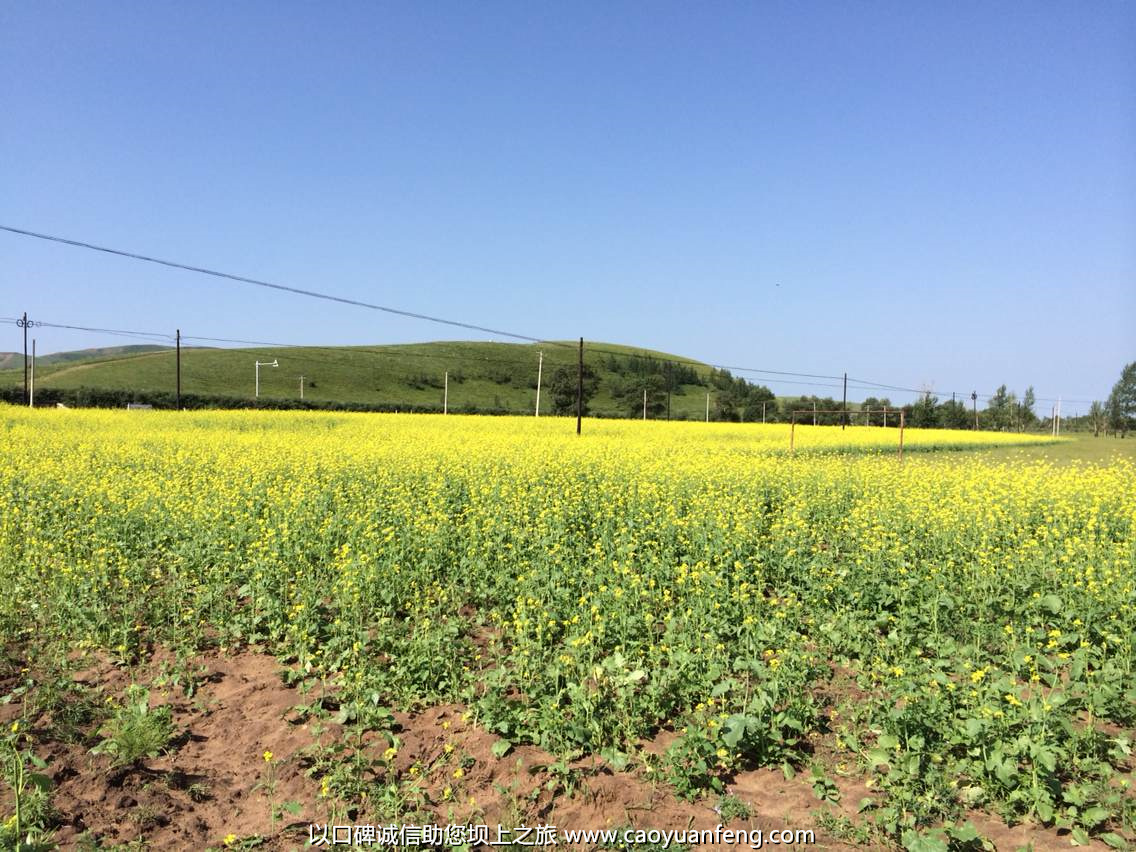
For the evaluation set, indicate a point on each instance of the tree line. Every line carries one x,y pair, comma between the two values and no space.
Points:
732,399
639,383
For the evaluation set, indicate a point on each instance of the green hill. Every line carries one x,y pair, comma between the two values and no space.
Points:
484,376
15,360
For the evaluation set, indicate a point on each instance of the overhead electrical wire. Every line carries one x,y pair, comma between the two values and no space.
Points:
391,351
358,303
429,318
281,287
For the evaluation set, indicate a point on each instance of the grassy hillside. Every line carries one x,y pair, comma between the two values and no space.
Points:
15,360
483,375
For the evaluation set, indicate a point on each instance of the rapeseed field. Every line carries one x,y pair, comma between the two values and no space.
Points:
962,631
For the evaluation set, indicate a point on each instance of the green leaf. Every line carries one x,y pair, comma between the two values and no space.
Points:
1006,772
1074,795
966,833
1114,840
878,757
293,808
1095,816
615,757
734,730
1080,837
501,748
41,782
915,841
1051,604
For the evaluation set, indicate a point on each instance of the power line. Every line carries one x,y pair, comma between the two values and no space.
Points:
282,287
357,303
400,352
118,331
986,396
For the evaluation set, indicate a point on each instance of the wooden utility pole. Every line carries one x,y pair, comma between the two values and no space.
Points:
301,387
539,371
707,408
446,393
580,388
177,357
844,405
23,323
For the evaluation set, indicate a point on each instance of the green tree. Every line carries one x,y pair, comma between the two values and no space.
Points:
755,396
1097,417
1122,401
923,412
563,389
1028,415
954,415
629,395
998,409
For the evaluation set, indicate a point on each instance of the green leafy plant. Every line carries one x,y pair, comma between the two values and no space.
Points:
731,808
26,829
135,730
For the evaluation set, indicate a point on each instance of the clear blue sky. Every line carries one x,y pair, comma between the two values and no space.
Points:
920,194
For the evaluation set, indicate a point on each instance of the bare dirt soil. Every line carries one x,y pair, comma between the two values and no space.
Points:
239,774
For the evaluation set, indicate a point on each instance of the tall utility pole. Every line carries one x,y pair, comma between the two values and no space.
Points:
23,323
539,371
301,387
844,405
1058,417
763,412
644,403
446,393
580,388
178,369
814,413
974,403
707,408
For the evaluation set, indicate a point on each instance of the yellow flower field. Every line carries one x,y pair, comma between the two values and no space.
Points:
585,593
